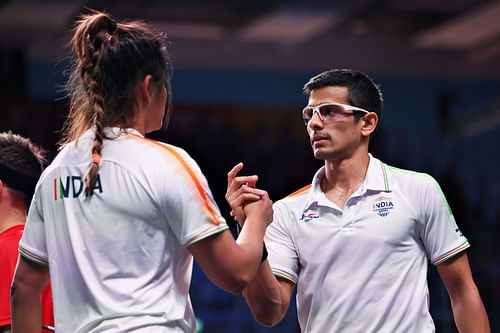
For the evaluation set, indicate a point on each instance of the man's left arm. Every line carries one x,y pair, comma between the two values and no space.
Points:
468,309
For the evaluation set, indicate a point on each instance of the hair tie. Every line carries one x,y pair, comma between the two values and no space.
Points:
96,159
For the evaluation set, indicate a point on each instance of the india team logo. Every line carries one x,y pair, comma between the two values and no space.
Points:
383,206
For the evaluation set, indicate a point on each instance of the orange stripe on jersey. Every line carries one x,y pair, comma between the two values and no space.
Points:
300,191
191,174
55,189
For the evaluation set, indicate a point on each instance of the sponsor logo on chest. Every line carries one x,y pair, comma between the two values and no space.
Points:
382,206
308,217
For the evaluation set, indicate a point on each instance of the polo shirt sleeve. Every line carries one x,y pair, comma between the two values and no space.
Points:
186,201
282,256
32,245
441,236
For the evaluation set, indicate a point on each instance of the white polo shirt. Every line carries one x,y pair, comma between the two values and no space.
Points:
363,268
118,260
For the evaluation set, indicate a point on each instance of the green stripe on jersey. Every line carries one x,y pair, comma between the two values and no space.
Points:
32,259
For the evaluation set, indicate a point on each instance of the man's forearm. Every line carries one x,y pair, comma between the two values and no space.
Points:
266,297
470,314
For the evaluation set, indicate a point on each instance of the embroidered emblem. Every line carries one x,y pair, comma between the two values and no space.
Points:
382,206
308,217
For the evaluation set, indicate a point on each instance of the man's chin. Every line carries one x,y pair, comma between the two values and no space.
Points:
321,155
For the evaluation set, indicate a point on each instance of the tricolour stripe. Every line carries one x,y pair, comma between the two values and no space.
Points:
31,257
61,189
300,191
207,234
284,275
386,180
191,174
450,254
55,188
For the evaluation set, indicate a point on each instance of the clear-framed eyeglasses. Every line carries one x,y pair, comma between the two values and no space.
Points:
328,112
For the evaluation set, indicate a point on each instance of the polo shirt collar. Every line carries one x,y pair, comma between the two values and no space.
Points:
376,179
112,132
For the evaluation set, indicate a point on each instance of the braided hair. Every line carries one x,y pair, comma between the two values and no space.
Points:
110,59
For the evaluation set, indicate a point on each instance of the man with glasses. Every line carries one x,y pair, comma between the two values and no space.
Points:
357,241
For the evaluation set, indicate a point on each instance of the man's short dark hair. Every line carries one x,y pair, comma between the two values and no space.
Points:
362,90
21,162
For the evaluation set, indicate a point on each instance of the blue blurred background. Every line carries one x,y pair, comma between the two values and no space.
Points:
239,68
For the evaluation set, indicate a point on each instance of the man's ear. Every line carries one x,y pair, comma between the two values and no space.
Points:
370,122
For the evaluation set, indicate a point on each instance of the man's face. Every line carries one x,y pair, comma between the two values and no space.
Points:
333,138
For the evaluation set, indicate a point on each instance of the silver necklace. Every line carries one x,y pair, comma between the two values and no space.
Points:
341,194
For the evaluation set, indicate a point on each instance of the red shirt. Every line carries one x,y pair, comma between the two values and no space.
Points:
9,244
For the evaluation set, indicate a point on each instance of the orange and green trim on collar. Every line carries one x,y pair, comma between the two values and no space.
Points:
386,179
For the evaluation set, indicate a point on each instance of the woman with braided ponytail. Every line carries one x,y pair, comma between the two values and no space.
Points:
116,218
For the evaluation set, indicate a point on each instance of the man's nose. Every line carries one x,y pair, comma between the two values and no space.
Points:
316,120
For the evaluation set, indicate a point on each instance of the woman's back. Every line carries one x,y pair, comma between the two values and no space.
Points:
121,252
116,217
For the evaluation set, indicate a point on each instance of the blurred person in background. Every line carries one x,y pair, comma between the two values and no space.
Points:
116,218
21,164
357,241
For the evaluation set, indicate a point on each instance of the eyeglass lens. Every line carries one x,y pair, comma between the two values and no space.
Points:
325,111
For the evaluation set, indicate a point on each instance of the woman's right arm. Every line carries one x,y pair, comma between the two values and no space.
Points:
267,296
230,264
